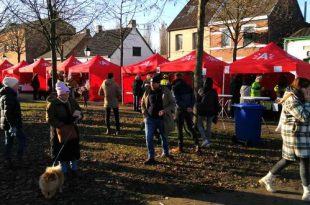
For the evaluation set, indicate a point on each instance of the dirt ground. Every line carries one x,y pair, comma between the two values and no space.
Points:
112,170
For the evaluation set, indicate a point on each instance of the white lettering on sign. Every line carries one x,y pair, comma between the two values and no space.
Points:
75,62
212,59
265,56
146,63
103,63
187,58
277,69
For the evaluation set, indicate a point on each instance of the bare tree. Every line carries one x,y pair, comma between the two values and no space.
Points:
48,16
124,11
234,15
13,39
163,39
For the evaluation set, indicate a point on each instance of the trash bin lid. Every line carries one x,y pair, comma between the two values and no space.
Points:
249,106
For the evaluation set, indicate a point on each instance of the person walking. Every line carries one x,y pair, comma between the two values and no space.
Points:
35,83
11,120
295,126
185,101
256,87
208,107
157,107
112,94
245,90
137,92
61,114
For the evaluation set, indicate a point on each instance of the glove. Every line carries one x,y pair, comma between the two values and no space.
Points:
13,131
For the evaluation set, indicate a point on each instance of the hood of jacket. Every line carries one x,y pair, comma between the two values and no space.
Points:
7,91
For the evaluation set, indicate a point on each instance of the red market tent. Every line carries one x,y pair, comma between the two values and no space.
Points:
144,67
212,67
39,67
14,70
97,69
270,59
273,62
65,65
5,65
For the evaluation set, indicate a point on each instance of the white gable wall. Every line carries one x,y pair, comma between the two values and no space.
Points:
298,48
132,40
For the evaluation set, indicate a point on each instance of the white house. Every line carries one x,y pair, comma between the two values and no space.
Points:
298,44
107,44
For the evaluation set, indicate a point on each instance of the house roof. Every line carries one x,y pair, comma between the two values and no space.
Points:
261,8
69,46
187,18
304,32
104,43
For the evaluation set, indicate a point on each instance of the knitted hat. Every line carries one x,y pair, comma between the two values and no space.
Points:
258,78
156,78
9,82
61,88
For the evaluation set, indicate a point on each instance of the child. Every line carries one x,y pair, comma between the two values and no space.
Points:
85,95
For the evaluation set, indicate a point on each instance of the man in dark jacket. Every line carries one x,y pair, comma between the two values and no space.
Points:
185,100
137,92
11,119
35,83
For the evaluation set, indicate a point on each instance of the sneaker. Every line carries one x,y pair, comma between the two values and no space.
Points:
306,194
206,143
150,161
117,133
177,150
267,182
108,132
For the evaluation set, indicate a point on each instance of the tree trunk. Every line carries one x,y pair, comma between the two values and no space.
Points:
199,50
235,51
18,56
53,44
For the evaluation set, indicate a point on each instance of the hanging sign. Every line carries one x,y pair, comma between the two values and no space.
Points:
204,71
226,69
277,69
157,69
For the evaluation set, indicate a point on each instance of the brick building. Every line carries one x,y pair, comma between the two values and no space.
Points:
279,19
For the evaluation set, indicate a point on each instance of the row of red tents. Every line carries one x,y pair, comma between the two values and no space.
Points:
270,59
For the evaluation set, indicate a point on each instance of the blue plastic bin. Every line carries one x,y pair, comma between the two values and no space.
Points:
248,120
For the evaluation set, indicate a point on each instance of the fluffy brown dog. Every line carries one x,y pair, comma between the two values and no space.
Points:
51,181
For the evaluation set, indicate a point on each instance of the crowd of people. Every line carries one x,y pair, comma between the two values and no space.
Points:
162,105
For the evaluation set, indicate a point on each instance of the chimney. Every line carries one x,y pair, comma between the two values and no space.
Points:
87,31
305,11
132,24
98,29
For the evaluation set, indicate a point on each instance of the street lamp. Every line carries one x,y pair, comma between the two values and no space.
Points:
87,52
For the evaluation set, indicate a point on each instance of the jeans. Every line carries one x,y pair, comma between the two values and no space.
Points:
205,134
181,116
303,169
116,115
21,137
151,124
64,166
136,99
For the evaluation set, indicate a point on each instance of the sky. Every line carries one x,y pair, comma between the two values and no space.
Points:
171,10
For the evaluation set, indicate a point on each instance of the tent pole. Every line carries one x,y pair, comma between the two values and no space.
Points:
122,85
223,85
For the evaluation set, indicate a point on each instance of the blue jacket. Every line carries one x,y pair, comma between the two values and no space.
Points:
183,94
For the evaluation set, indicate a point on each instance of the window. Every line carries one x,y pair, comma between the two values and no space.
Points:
136,51
178,42
195,40
225,38
248,35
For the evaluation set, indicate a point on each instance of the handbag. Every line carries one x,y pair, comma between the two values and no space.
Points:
66,133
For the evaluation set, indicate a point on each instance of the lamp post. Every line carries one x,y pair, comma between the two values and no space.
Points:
87,52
